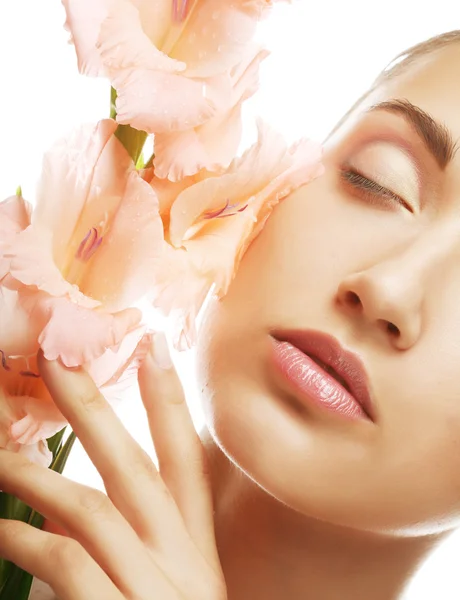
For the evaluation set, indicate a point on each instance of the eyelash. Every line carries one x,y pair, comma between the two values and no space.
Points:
372,189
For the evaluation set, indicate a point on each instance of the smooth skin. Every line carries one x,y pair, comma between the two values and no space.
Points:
152,534
309,506
306,505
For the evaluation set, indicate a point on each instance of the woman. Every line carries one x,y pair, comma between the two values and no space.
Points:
326,474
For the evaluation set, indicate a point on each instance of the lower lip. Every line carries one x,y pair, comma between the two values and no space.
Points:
314,384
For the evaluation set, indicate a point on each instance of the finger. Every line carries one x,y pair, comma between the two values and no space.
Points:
130,477
89,517
181,457
60,562
52,527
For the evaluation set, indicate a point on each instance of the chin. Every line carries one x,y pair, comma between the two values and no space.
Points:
317,466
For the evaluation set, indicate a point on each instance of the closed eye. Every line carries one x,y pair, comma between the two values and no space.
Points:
373,191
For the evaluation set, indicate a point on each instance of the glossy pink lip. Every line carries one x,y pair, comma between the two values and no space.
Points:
344,369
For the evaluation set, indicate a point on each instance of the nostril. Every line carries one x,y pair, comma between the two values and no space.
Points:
352,298
393,329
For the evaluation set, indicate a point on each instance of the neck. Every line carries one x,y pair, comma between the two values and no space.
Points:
270,551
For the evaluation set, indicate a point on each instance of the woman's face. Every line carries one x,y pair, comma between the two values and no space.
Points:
347,258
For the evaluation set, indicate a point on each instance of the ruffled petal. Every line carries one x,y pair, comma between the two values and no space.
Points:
38,453
180,286
83,21
26,420
41,420
268,168
119,273
126,375
214,144
209,247
156,102
77,335
108,368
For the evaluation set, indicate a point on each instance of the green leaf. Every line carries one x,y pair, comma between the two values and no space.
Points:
55,442
113,98
140,162
18,585
132,139
15,583
59,462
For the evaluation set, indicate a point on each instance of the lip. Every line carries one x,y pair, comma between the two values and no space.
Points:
348,384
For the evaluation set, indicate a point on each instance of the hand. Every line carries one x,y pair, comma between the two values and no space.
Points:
152,535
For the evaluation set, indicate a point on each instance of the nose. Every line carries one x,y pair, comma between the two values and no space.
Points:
387,296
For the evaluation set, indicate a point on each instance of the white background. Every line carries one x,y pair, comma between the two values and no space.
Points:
324,54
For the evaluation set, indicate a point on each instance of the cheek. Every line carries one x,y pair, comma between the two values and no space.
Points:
312,239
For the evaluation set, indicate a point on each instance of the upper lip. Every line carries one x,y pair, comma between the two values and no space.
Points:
346,364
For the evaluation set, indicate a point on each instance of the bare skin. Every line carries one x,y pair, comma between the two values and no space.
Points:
287,501
308,506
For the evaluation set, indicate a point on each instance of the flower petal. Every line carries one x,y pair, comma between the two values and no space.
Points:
19,328
27,419
84,176
215,37
124,44
108,368
209,250
214,144
119,273
157,19
267,169
14,215
38,453
32,264
78,335
41,421
84,19
156,102
179,289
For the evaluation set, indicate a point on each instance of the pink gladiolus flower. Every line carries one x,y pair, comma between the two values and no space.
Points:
181,70
69,271
211,219
94,237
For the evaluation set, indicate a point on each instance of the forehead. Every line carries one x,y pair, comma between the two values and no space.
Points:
432,82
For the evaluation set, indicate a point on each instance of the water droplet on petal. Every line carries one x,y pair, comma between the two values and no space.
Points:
215,15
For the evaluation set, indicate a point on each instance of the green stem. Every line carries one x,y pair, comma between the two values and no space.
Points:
132,139
15,583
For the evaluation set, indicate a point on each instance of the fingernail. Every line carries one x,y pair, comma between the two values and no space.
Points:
160,352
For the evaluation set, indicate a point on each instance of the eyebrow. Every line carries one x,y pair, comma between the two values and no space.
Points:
434,135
